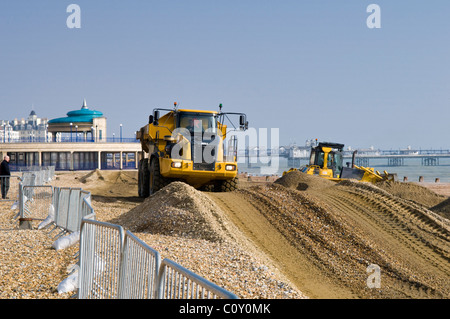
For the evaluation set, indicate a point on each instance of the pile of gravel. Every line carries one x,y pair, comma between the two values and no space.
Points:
178,210
303,182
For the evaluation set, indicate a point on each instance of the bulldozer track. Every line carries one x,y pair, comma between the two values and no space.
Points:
255,222
407,217
397,220
324,238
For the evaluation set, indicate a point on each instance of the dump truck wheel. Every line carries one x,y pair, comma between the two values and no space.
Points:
143,179
156,180
140,193
227,186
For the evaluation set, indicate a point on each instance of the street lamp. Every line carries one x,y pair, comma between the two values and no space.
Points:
76,133
120,133
71,131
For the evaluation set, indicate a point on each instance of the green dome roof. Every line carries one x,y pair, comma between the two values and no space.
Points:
79,116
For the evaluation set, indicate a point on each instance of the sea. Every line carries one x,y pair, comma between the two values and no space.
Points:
411,168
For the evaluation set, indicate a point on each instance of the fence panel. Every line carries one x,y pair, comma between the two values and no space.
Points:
100,251
85,207
40,174
177,282
28,178
62,209
73,215
139,269
35,202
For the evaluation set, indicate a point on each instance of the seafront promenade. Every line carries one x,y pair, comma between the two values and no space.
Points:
73,155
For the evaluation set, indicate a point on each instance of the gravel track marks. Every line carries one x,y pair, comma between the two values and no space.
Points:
414,240
295,264
323,239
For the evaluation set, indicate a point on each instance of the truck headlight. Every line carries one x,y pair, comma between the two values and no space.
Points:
176,164
230,167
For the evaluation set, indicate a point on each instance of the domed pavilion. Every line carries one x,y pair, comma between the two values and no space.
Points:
90,125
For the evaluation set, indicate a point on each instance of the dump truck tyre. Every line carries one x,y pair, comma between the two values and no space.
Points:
140,193
228,185
156,180
143,177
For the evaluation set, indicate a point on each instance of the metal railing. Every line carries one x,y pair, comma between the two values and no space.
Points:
100,251
70,206
69,139
177,282
35,201
37,175
138,269
115,264
64,208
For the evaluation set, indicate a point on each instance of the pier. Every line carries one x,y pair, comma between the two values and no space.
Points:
75,142
364,157
73,155
399,158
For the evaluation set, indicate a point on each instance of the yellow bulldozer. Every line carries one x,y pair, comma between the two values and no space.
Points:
188,145
326,160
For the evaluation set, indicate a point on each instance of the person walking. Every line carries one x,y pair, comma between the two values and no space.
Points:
4,176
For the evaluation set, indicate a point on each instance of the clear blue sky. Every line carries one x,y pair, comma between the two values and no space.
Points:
313,69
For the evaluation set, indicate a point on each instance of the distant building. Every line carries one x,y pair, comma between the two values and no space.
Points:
33,129
80,125
68,143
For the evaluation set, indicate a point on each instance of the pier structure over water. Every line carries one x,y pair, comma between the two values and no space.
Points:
75,142
400,157
73,155
428,157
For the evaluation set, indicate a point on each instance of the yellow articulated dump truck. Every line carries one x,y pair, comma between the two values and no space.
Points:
188,145
326,160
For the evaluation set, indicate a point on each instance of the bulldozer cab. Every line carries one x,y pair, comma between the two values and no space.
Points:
328,159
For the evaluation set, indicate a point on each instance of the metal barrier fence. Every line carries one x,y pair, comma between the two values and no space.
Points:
177,282
35,201
100,249
63,207
68,208
31,177
37,175
139,269
114,264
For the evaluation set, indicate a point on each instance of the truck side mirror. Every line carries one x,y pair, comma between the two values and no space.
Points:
243,123
242,120
150,119
156,118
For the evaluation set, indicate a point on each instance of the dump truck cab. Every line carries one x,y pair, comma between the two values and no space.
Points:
188,145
